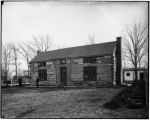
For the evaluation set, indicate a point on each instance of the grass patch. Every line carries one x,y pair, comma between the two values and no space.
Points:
69,103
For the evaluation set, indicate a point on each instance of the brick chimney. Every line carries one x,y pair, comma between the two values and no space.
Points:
118,60
38,52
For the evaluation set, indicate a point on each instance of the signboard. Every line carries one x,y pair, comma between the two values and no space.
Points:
99,61
79,61
49,63
50,72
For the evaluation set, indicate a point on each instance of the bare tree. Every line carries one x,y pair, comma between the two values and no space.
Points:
6,58
15,56
134,45
124,59
91,39
146,55
25,51
40,43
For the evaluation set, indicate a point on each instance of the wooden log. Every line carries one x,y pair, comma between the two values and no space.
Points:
76,76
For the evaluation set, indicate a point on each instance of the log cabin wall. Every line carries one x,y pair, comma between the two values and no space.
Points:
34,73
51,72
75,71
104,71
51,67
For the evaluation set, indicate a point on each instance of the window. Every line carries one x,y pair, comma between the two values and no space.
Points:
41,64
8,82
127,74
89,60
62,61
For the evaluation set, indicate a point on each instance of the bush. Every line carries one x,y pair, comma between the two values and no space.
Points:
138,87
136,92
113,104
140,84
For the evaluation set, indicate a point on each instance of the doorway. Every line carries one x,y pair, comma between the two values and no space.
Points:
141,76
89,73
42,74
63,75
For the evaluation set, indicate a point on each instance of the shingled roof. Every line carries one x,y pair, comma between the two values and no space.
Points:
80,51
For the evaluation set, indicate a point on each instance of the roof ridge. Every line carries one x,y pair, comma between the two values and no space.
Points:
79,46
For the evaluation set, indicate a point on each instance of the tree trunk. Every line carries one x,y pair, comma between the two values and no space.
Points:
6,79
136,77
28,71
16,68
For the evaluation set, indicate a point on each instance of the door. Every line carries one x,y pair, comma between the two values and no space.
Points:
63,75
43,74
90,73
141,76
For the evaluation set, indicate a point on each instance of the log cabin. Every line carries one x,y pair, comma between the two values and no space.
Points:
89,65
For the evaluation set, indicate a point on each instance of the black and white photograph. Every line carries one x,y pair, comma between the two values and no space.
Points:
74,59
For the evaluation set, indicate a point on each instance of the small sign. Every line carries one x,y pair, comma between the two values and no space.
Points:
49,63
51,72
79,61
99,61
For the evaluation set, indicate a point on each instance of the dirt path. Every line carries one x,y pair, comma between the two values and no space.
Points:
70,103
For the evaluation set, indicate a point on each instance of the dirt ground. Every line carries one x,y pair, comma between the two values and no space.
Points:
62,103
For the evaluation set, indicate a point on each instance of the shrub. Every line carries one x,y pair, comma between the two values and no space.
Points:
115,103
127,95
138,86
112,105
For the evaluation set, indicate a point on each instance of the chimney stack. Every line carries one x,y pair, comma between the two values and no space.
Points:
118,60
38,52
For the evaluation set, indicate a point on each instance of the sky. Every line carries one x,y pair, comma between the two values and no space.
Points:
69,23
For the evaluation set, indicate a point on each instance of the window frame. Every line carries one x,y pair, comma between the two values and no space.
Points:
61,61
41,64
128,74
